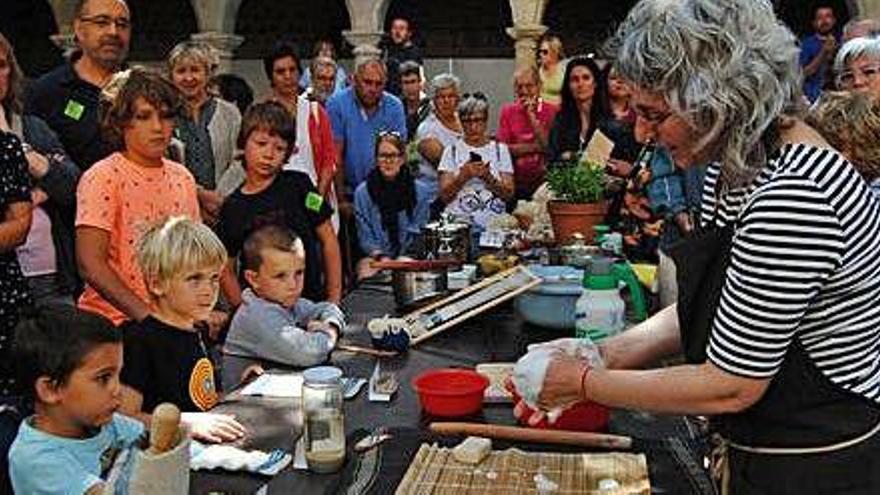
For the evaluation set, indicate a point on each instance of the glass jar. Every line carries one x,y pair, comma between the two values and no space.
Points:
323,425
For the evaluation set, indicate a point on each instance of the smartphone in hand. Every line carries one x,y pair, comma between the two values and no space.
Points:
475,157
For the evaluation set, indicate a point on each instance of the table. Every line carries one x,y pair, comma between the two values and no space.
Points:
496,336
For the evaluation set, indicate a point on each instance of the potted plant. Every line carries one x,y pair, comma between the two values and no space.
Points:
579,198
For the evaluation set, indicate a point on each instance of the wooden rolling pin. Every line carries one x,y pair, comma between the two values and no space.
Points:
164,427
414,265
534,435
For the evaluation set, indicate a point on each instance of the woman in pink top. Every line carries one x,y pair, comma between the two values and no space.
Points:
122,195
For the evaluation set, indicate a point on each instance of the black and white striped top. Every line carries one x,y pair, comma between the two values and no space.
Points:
805,264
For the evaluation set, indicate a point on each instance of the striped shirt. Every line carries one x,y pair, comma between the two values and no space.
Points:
805,264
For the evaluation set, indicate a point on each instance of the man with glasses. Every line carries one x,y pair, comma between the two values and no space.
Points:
857,66
67,97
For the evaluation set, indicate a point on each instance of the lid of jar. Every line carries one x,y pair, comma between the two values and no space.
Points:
323,374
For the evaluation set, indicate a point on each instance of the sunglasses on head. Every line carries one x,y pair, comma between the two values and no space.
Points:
478,95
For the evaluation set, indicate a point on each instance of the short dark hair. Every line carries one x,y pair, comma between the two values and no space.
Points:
117,113
409,68
267,237
281,49
271,117
235,89
54,342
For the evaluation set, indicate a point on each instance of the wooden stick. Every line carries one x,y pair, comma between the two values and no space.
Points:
365,350
466,291
414,265
474,311
534,435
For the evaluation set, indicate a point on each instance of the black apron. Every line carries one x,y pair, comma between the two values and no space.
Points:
800,408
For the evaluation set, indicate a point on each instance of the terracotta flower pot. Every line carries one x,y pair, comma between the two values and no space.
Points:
571,218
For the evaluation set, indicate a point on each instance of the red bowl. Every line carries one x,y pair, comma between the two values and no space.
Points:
583,416
450,392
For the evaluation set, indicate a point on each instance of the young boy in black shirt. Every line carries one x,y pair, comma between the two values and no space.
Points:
287,199
165,358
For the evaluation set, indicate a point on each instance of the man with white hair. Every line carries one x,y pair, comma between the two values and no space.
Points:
323,79
67,97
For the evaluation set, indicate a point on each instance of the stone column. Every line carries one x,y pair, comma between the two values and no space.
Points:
365,43
527,28
65,12
216,22
868,9
525,42
367,17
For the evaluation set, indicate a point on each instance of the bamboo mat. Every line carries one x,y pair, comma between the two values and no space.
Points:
434,471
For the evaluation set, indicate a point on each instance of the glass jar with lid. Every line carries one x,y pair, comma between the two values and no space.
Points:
323,424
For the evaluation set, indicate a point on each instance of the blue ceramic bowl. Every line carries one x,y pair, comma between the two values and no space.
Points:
551,304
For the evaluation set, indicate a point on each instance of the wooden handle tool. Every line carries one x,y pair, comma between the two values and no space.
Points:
164,427
365,350
533,435
414,265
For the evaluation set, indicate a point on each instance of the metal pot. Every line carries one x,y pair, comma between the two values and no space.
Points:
414,287
448,239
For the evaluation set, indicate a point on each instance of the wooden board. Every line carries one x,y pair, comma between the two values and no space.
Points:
435,471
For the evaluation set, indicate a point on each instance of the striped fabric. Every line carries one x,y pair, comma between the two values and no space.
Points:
805,264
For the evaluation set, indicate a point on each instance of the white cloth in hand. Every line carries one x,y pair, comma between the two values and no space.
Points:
234,459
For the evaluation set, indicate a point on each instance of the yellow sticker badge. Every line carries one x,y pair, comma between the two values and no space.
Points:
202,390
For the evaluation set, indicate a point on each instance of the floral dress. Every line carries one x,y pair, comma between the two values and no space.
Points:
15,187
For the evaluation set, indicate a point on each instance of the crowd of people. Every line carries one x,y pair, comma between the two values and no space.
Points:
206,233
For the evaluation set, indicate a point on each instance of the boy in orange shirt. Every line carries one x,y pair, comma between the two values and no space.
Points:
121,195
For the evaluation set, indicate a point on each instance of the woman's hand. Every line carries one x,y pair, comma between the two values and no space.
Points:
214,428
620,168
563,382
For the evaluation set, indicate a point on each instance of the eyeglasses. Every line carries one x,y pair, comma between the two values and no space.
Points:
388,157
105,21
847,78
386,133
543,51
651,117
474,120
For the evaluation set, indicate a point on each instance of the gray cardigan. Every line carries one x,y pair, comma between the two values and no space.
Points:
263,331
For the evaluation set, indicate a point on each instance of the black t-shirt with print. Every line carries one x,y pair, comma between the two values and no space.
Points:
168,364
291,201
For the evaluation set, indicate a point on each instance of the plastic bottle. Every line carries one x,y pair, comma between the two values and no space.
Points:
600,311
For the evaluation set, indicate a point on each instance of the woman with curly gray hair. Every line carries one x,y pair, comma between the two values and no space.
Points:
777,316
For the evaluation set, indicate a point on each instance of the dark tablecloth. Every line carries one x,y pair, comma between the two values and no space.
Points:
497,336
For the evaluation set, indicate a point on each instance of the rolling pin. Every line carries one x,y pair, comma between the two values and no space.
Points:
533,435
414,265
163,428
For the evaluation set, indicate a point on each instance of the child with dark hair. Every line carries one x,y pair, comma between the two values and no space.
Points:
286,198
274,324
130,189
68,365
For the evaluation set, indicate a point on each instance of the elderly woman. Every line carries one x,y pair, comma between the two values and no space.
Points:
439,129
551,68
857,65
476,172
777,314
47,257
391,207
209,126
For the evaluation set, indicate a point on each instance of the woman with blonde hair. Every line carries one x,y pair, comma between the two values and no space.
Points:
551,68
777,314
208,127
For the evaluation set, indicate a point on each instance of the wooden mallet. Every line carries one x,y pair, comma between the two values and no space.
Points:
164,428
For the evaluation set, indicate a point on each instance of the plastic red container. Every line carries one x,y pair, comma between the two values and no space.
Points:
450,392
583,416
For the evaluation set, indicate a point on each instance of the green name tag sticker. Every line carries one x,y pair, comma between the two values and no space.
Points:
314,201
74,109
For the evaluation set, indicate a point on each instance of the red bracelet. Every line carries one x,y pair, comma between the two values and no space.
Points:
584,374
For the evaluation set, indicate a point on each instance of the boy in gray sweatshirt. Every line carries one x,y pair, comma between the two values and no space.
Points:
274,325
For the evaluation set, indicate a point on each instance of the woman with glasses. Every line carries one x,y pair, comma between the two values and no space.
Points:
857,66
476,172
390,207
777,314
551,67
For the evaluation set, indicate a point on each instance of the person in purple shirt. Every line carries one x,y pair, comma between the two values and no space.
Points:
818,49
358,114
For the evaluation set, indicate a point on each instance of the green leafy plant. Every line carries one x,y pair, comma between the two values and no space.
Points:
577,182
